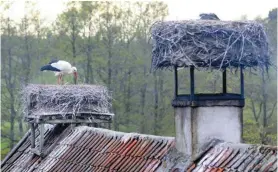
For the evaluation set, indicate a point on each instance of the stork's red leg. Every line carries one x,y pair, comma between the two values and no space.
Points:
62,80
58,79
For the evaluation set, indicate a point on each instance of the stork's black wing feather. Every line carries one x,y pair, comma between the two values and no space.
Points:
53,61
215,16
208,16
50,68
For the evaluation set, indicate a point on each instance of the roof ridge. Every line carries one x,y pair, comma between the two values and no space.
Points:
124,135
246,145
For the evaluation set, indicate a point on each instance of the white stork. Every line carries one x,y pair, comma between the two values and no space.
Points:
60,68
208,16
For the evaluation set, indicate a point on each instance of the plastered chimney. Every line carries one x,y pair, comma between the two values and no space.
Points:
202,117
195,126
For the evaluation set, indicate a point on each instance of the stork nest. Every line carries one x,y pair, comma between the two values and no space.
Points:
65,99
209,44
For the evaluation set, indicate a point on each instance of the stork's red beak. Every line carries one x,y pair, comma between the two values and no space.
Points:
75,77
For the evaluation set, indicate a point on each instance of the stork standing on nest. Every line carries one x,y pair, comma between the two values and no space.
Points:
60,68
208,16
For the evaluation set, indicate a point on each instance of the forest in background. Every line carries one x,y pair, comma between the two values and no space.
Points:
109,43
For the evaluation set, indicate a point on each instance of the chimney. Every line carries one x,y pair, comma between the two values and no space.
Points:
208,44
202,117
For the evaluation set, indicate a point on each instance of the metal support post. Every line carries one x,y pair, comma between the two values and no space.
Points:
176,82
224,81
192,84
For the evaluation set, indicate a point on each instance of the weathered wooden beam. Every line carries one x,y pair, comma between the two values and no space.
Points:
68,114
60,121
73,124
41,137
37,152
109,126
32,127
44,118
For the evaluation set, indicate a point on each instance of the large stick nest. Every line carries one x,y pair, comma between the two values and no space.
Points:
65,99
209,44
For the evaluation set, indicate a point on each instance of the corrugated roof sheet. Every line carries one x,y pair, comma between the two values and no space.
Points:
92,149
236,157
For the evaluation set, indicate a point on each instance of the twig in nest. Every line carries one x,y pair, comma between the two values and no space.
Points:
209,44
65,99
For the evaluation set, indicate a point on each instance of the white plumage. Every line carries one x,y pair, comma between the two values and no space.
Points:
60,68
64,67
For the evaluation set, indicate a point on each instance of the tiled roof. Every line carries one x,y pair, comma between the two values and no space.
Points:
236,157
92,149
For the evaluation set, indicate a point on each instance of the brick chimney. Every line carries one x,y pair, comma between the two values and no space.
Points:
202,117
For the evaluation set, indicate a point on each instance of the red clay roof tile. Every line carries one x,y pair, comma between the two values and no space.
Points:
90,149
237,157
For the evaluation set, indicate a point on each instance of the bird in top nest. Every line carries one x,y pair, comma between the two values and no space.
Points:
208,16
60,68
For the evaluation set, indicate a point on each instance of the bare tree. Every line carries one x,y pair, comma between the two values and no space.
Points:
262,108
69,24
8,75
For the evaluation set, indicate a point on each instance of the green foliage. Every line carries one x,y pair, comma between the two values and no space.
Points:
109,44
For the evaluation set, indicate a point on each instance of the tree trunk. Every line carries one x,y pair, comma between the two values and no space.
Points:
89,74
12,119
109,65
20,126
27,66
142,102
161,96
156,127
109,46
10,86
128,95
73,37
28,60
263,133
116,121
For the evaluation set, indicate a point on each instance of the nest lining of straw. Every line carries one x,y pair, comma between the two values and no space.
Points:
209,44
65,99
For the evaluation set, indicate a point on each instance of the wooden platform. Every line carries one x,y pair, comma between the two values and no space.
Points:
83,117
